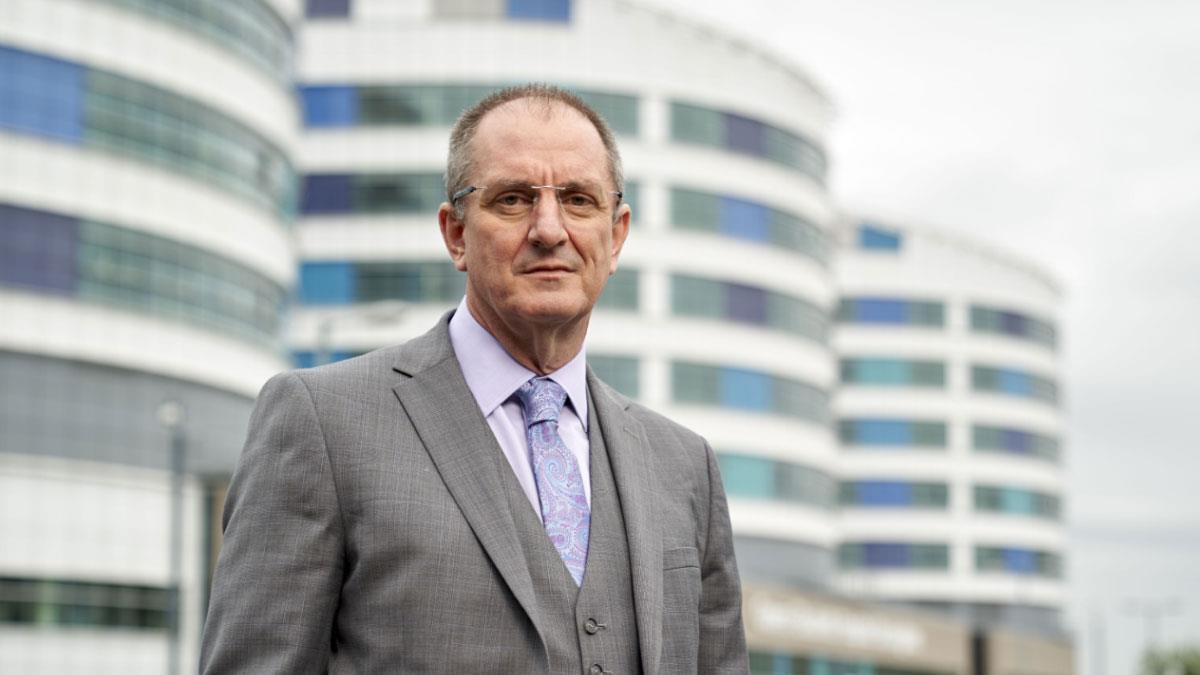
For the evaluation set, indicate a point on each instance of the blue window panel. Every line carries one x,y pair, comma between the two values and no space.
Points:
1016,441
745,389
746,303
880,310
37,249
883,371
745,135
1020,560
880,554
326,8
782,665
874,238
541,10
883,493
329,106
303,359
1017,501
883,432
748,476
1013,324
41,95
744,219
327,193
1015,382
327,283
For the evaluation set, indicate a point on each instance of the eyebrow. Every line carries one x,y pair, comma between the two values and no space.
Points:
508,184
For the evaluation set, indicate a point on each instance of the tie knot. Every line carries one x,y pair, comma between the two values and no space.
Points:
542,400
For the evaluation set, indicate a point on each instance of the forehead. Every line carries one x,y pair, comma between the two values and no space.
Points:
536,141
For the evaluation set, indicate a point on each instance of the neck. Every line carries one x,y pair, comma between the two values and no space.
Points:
540,348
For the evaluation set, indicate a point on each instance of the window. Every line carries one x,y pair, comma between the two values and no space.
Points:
622,291
749,390
1017,501
888,432
620,372
753,477
1015,441
37,249
543,10
1013,324
707,298
434,281
327,283
1013,382
323,9
893,372
893,555
59,602
310,359
896,311
739,218
747,136
876,238
1018,560
371,193
41,95
891,493
329,106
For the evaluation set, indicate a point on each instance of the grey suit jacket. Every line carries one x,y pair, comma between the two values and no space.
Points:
366,530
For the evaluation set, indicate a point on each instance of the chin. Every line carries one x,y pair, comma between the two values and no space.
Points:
554,307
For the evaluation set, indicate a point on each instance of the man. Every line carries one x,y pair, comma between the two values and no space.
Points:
475,500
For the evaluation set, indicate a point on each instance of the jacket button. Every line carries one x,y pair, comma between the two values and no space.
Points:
591,627
596,669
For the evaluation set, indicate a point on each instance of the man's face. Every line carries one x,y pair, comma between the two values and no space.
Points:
533,264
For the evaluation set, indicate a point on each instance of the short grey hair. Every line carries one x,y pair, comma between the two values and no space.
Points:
459,162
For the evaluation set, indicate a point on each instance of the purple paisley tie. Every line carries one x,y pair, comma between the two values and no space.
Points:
565,510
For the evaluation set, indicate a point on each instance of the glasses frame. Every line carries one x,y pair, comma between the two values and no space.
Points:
558,190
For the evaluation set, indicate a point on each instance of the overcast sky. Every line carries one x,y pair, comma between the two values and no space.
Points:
1069,132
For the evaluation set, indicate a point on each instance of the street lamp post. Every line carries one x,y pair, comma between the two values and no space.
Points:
171,416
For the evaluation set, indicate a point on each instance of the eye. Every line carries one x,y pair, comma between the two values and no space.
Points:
579,200
511,199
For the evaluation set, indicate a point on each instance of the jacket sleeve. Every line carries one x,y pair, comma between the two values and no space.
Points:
722,637
278,578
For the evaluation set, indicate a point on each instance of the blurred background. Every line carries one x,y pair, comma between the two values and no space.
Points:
939,257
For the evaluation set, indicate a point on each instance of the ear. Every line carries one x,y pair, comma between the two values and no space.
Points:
620,231
453,230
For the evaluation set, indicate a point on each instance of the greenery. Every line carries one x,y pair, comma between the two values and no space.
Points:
1177,661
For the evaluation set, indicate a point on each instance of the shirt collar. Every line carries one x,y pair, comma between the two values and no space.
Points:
493,375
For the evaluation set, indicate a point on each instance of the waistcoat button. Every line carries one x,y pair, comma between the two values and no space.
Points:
596,669
591,626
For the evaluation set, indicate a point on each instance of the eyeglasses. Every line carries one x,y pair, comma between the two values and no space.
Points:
578,202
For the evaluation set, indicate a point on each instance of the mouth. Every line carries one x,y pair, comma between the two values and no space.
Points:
548,271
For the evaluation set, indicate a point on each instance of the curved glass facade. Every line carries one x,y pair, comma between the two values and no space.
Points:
752,477
893,555
1008,323
1018,560
1015,441
126,268
892,432
893,372
892,311
1017,501
80,410
780,561
77,104
893,494
747,390
1013,382
740,303
249,28
740,218
432,105
698,125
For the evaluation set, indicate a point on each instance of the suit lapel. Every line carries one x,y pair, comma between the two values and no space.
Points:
462,446
628,454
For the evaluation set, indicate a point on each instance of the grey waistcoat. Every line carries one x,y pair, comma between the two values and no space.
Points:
594,624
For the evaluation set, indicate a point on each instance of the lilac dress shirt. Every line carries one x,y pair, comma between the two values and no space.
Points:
493,376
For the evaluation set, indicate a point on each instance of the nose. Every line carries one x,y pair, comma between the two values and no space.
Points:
548,228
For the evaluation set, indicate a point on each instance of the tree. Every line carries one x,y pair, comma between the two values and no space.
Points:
1177,661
